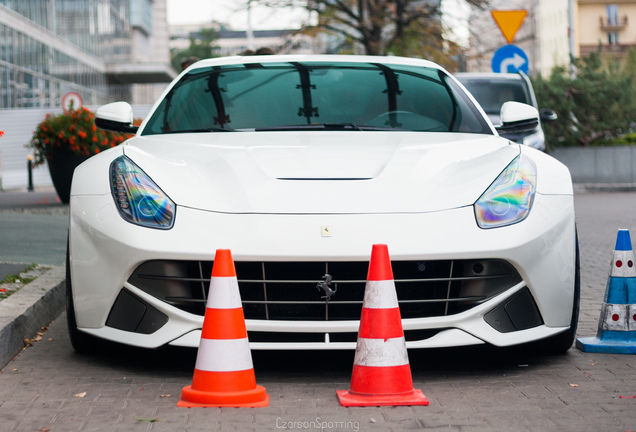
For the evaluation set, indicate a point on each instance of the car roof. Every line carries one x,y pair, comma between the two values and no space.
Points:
315,58
487,75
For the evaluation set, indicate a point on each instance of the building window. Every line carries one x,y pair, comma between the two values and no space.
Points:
612,38
141,15
612,15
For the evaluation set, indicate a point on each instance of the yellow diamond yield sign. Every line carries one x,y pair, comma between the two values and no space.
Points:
509,21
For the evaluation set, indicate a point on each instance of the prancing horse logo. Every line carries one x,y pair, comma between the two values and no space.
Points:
325,285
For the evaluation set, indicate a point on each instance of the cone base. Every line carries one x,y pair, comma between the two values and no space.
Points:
596,345
255,398
348,398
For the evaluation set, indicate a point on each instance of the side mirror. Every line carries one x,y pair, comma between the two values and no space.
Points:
517,117
548,115
116,117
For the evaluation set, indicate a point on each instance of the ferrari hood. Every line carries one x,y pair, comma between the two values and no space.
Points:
322,172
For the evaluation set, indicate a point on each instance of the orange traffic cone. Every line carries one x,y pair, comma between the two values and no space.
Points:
381,372
224,374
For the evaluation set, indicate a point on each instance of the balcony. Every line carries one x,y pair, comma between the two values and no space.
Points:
613,23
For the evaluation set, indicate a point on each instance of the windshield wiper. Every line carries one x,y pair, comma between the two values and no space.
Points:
338,126
200,130
325,126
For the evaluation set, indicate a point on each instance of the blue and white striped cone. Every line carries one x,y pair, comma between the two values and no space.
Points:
617,323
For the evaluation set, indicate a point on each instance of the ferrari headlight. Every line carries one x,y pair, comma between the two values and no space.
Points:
509,198
139,200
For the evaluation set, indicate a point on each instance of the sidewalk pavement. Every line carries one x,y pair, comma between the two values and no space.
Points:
22,198
26,311
38,303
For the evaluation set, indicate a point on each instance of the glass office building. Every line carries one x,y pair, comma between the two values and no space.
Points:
100,49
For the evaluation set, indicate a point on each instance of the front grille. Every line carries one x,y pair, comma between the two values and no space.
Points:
289,290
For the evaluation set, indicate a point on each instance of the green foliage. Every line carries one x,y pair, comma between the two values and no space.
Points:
595,107
629,139
13,283
202,46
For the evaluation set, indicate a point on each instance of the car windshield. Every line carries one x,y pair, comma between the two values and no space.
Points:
491,93
315,96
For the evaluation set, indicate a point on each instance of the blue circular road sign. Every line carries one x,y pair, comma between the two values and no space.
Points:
510,59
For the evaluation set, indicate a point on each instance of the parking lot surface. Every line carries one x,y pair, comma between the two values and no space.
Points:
50,387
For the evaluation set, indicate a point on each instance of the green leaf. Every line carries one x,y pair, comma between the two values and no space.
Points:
147,420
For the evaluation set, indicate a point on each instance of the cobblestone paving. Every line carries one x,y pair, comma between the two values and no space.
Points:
49,387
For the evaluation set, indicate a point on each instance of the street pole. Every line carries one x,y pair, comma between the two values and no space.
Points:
250,33
571,37
30,172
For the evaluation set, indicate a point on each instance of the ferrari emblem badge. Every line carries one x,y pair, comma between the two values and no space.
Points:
326,286
325,231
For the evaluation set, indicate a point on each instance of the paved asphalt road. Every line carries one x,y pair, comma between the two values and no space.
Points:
49,387
33,227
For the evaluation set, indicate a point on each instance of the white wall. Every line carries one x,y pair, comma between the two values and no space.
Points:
553,35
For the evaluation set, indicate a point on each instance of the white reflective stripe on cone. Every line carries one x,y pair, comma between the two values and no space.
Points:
380,295
224,355
224,293
625,270
614,317
381,352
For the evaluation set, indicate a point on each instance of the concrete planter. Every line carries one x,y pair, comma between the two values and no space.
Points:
599,165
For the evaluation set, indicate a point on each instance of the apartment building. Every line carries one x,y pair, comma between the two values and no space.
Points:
606,25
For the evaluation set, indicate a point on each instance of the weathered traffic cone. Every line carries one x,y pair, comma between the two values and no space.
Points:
381,371
224,374
617,323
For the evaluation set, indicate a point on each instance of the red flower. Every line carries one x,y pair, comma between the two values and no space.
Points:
74,130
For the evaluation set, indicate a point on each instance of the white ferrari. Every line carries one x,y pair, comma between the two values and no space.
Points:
299,164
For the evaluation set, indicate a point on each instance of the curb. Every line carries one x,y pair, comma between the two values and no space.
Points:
25,312
604,187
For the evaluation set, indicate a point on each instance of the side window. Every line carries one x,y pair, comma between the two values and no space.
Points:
191,107
188,106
